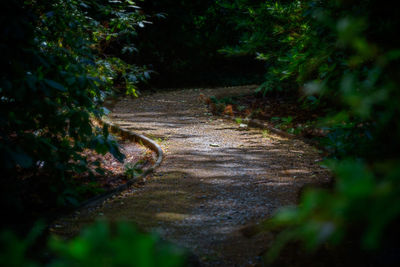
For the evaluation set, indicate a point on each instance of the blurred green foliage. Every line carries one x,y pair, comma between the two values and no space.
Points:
345,54
101,244
60,59
121,245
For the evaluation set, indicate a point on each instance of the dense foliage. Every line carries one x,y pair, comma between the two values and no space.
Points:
345,54
101,244
183,42
60,59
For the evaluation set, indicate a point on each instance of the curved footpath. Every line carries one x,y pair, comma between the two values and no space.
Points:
216,176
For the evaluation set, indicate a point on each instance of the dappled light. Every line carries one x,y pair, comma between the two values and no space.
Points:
166,133
215,179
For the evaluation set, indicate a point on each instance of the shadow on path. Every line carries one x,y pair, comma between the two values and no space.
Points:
215,178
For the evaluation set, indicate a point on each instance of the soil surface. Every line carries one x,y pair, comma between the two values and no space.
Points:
216,178
113,172
39,201
284,112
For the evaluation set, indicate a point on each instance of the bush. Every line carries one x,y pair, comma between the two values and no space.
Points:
61,59
101,244
182,45
346,54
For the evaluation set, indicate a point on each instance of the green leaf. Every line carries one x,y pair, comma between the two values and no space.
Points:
22,159
55,85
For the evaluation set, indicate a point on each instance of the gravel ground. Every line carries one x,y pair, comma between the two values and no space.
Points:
216,178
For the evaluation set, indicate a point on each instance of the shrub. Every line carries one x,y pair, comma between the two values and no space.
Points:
60,60
346,54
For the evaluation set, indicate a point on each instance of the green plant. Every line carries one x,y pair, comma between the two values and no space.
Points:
265,133
14,250
100,244
121,245
288,120
61,59
133,170
238,120
282,122
342,55
182,45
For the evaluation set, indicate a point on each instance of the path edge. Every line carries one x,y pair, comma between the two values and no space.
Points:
255,123
132,136
258,124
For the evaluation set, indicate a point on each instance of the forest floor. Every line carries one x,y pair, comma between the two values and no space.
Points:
106,173
217,177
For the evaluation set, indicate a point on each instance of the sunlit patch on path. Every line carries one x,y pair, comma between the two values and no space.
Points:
215,178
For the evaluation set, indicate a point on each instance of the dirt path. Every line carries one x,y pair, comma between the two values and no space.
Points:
216,177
